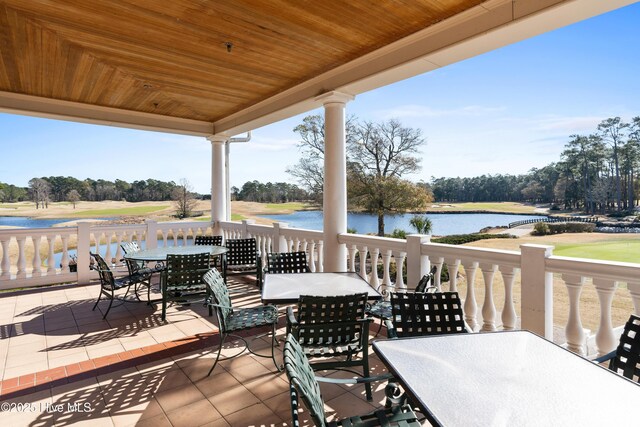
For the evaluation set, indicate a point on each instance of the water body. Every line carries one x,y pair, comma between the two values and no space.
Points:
443,224
25,222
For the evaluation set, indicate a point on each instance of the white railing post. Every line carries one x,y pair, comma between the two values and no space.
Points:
605,339
488,306
574,332
415,260
82,252
537,290
278,241
509,316
151,240
470,303
245,228
5,265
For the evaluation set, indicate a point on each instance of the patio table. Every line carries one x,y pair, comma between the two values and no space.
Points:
286,288
510,378
160,254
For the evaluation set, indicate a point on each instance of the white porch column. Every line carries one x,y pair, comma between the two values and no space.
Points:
335,179
218,181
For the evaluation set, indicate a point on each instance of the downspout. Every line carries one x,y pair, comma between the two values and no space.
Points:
226,167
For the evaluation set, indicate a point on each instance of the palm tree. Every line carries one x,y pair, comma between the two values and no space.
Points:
422,224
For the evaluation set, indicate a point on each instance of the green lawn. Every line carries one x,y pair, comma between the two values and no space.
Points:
503,207
137,210
624,251
237,217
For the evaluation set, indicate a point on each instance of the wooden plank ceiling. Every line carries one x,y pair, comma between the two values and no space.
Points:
170,58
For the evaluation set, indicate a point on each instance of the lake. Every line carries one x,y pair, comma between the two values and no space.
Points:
26,222
443,224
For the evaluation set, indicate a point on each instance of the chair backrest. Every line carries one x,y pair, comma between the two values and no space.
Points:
423,284
220,295
242,251
130,247
333,319
417,314
208,240
186,270
626,362
107,280
287,262
302,380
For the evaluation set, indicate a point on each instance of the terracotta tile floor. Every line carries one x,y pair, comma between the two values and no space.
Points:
62,364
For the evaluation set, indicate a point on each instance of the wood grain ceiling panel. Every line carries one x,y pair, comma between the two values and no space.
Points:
169,57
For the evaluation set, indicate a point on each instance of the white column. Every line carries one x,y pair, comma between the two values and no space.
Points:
218,181
537,290
335,180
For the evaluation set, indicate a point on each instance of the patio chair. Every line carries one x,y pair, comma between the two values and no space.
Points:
333,328
210,241
110,284
139,269
287,262
382,309
231,320
625,359
303,385
419,314
243,257
182,281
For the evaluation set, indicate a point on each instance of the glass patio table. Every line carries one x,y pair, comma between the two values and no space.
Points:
285,288
510,378
160,254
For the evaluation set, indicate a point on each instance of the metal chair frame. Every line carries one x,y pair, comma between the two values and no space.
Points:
333,327
243,257
625,359
139,268
109,284
232,319
182,280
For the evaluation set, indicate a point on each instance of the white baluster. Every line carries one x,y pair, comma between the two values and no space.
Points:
352,258
634,291
64,263
438,262
452,267
488,306
576,340
312,256
6,260
399,257
118,247
320,256
373,278
22,260
509,316
386,261
363,251
605,339
470,304
165,238
51,267
37,262
108,256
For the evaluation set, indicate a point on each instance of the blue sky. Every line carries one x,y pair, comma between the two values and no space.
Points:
506,111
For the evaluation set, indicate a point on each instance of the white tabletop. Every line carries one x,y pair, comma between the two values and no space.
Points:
160,254
287,288
508,379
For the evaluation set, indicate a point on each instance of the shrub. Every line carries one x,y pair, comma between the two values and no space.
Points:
398,234
571,227
460,239
541,229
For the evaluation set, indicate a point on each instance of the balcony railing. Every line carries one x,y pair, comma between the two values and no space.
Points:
501,289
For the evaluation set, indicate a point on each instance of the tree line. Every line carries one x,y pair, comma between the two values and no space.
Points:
596,173
59,188
270,192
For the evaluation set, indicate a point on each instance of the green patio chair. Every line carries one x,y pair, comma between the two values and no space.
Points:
231,319
243,257
303,385
334,329
625,359
182,282
216,260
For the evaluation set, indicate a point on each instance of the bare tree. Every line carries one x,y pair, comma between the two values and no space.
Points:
184,199
39,190
612,131
74,197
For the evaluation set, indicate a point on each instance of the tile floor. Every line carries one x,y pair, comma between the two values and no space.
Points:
90,371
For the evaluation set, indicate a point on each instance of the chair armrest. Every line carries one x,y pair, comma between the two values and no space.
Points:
605,357
357,380
391,331
291,318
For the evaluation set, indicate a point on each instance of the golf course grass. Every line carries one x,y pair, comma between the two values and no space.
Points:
614,250
133,210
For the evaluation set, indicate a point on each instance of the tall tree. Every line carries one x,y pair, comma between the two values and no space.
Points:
184,199
380,156
39,190
74,197
612,131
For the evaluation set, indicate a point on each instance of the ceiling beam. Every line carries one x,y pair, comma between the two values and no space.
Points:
86,113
